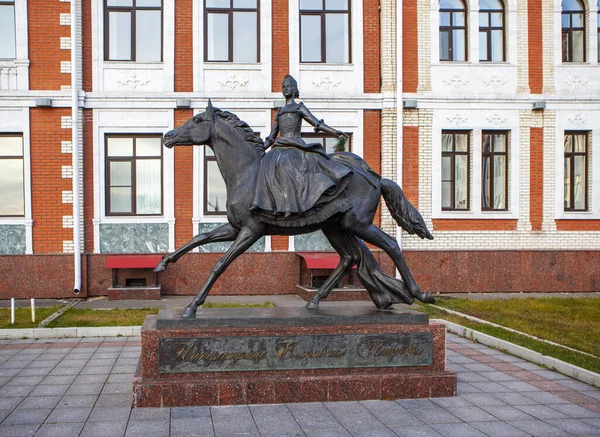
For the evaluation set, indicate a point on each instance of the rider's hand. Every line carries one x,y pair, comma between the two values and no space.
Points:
341,135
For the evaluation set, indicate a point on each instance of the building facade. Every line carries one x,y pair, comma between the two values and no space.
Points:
487,112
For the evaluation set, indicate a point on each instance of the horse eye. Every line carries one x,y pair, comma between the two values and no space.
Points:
197,120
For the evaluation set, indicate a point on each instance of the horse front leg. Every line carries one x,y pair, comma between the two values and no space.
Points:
220,234
244,240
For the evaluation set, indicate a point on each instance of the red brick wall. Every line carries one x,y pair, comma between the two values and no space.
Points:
536,177
410,164
88,179
410,47
474,225
44,44
372,146
86,42
184,47
578,225
47,183
534,21
281,43
184,187
371,52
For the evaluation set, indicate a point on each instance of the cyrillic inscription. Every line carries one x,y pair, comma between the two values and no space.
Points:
176,355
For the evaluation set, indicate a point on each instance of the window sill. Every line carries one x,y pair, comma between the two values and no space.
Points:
209,65
15,220
577,215
132,65
326,67
113,220
475,215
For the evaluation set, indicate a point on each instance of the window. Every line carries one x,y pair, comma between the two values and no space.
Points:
455,170
12,180
575,171
329,142
231,30
494,171
7,29
133,30
453,31
325,31
573,31
133,175
215,191
491,31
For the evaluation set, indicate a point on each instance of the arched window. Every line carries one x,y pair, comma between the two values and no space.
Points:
491,31
453,30
573,31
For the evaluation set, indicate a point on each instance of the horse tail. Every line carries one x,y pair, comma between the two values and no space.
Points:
406,215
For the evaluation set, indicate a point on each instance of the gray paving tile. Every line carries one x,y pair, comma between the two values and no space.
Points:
77,401
15,391
497,376
90,379
84,389
10,403
124,369
3,414
471,414
491,387
541,412
117,388
234,424
58,380
328,433
390,413
154,428
105,414
59,430
101,362
49,390
24,417
574,426
189,412
117,400
575,411
69,415
515,399
39,402
150,414
471,377
415,431
103,429
416,403
593,422
519,386
284,435
498,429
478,367
434,415
96,370
311,421
548,374
480,399
274,418
543,397
457,430
25,380
538,428
374,432
465,387
18,430
306,407
192,427
451,402
506,412
120,378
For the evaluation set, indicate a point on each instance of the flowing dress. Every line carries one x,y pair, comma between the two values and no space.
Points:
297,179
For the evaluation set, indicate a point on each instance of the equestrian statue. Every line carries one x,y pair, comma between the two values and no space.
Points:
297,188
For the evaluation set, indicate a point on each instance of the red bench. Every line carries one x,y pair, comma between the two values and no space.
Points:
135,291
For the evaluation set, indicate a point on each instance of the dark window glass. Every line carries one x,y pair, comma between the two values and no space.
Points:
330,143
133,30
325,31
455,170
7,29
494,170
573,31
12,180
133,175
491,31
576,171
453,31
231,31
215,191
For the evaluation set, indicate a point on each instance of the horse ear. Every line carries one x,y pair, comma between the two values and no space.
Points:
210,110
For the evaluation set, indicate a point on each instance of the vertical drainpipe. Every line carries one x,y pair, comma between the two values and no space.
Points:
399,105
75,142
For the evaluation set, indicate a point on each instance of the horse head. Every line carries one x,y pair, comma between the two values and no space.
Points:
197,130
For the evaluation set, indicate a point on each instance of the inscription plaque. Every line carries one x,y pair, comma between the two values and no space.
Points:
178,355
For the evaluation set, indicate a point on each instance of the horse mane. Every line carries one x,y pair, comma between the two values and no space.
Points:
243,128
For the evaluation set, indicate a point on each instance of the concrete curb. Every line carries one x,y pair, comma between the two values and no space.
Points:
105,331
559,366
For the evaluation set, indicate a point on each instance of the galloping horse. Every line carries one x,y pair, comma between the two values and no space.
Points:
239,152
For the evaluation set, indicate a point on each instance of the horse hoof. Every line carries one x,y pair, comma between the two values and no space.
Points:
427,297
312,305
189,313
160,267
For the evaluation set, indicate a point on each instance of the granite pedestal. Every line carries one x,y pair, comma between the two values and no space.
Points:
233,356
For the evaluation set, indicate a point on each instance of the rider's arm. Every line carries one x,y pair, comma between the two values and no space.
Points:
319,125
274,131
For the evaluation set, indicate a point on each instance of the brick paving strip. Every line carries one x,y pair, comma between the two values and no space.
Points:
82,387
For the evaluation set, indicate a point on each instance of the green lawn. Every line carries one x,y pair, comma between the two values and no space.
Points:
573,322
23,317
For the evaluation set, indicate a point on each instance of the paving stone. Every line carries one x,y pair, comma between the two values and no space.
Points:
228,425
3,414
328,433
451,402
103,429
120,400
25,380
416,431
457,430
311,421
575,411
543,397
59,430
9,403
491,387
542,412
574,426
469,376
514,399
464,387
69,415
120,378
416,403
519,386
15,391
124,369
42,363
434,415
24,417
373,432
39,402
506,412
60,371
274,418
50,390
497,376
593,422
58,380
189,412
91,379
471,414
193,427
150,414
117,388
478,367
77,401
154,428
101,362
96,370
105,414
390,413
18,430
481,399
498,429
538,428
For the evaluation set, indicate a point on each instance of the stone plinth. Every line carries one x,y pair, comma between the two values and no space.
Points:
278,355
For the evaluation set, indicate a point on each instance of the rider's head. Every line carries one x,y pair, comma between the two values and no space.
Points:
289,80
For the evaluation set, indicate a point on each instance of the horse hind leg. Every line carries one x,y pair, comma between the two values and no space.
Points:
220,234
348,257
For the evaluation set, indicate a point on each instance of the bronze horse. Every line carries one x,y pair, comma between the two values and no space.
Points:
239,152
